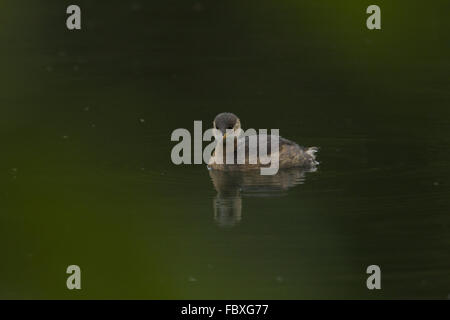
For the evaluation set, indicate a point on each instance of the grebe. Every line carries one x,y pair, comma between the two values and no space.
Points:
290,154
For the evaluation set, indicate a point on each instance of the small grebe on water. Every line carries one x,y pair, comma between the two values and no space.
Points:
290,154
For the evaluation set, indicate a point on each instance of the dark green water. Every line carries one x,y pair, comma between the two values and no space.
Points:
85,170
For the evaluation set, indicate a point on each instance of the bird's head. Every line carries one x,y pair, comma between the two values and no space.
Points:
226,124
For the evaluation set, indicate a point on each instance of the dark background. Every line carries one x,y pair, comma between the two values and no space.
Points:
85,170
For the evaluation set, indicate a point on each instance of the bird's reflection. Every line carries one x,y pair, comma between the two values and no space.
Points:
232,186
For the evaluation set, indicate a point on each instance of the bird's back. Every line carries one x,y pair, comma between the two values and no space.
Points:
290,154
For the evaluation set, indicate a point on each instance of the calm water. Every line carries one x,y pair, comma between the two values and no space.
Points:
86,176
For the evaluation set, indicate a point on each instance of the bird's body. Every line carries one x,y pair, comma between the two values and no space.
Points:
242,152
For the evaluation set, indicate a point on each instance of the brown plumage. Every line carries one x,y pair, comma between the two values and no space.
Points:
290,154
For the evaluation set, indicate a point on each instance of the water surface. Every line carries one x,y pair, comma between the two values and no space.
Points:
86,176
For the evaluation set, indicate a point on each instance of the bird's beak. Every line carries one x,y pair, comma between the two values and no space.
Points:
224,134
